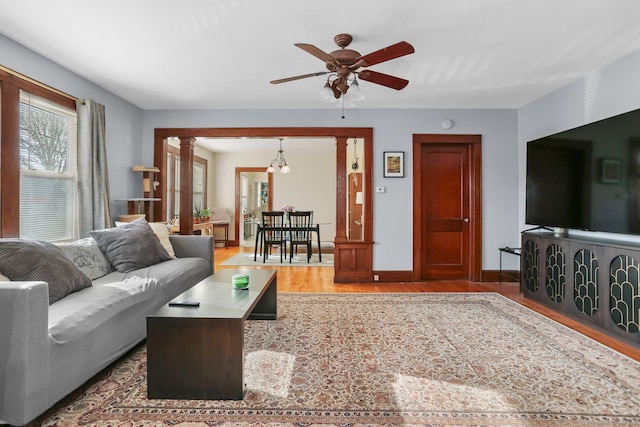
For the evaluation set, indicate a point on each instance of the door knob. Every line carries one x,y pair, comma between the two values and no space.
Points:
466,220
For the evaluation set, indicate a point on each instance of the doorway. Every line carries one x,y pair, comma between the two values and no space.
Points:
254,194
353,260
447,207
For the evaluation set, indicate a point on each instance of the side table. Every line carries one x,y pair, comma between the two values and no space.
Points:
512,251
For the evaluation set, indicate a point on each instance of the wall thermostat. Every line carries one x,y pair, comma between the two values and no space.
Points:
447,124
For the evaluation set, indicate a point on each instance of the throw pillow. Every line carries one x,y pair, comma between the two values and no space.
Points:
162,231
131,246
32,260
87,256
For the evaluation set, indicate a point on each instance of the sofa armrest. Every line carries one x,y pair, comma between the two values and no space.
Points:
24,352
193,246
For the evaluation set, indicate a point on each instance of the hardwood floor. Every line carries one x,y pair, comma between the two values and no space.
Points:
320,279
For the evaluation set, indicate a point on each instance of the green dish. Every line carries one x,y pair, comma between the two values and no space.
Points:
240,281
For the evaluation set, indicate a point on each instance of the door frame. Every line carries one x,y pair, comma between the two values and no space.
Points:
353,260
239,222
474,144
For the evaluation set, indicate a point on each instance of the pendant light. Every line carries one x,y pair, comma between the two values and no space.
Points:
279,161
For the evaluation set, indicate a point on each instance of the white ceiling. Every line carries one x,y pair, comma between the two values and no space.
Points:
221,54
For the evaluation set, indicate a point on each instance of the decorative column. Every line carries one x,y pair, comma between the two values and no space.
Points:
186,184
352,259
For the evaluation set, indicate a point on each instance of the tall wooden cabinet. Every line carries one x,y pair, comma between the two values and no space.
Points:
594,281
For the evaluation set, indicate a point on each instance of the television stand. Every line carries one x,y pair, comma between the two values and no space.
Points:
592,280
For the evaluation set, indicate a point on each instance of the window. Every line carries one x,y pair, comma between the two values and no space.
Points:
199,179
173,182
48,170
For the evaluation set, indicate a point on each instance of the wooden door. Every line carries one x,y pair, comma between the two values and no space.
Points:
447,210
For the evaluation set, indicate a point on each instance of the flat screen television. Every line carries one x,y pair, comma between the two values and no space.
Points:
587,178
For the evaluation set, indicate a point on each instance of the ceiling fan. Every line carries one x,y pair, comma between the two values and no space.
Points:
344,64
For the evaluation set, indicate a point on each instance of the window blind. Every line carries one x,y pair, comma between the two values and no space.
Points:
48,170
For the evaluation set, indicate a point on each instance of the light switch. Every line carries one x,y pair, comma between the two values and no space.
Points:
380,189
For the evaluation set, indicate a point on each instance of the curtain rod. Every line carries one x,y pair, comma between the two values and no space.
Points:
37,83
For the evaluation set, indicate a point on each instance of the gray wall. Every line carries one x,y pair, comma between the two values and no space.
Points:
610,91
604,93
123,119
393,130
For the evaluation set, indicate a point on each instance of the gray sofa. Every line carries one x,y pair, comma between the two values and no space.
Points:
47,350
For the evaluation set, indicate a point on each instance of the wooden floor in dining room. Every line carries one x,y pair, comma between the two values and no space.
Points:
320,279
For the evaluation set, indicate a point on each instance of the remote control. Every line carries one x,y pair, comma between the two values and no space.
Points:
184,303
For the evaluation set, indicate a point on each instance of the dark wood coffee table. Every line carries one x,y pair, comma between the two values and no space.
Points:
197,352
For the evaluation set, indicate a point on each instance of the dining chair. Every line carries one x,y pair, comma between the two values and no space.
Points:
300,228
273,233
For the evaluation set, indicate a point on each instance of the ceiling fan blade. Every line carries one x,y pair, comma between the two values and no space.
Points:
304,76
309,48
383,79
390,52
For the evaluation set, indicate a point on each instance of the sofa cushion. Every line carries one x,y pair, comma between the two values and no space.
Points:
32,260
87,256
79,314
146,290
178,274
162,231
131,246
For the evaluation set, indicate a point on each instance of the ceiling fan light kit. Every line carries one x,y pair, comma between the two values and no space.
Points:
326,93
345,102
333,91
355,93
344,65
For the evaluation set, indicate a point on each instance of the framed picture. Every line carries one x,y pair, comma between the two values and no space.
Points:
394,164
610,171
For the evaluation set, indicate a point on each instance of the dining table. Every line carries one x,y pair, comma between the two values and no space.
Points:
261,229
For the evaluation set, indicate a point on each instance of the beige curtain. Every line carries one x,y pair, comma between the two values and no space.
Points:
93,175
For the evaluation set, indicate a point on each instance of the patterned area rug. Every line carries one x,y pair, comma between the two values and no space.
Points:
300,260
390,359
